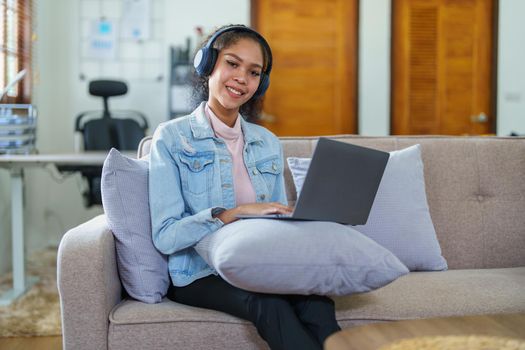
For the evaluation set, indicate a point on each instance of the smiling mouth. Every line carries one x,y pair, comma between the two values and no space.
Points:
234,91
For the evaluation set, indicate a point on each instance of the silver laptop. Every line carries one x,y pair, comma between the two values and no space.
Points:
340,185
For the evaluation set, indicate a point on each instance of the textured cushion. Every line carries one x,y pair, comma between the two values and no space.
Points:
454,293
439,294
399,219
285,257
142,268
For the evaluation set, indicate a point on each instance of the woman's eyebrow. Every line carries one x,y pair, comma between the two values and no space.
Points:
240,59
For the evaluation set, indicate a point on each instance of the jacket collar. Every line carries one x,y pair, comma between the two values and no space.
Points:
201,128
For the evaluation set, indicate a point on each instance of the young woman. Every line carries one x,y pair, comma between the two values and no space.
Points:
208,167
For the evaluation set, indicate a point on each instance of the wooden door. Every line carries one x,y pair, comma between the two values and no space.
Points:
314,77
442,67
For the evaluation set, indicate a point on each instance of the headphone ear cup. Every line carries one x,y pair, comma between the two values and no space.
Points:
198,60
263,85
204,61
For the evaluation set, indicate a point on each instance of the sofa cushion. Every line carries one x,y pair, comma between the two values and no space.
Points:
438,294
416,295
284,257
399,219
161,326
142,268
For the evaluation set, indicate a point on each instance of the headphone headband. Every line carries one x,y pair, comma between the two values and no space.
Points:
241,28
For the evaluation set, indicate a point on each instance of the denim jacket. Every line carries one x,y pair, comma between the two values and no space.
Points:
190,173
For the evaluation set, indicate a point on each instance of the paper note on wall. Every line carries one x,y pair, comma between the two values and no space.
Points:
135,21
102,40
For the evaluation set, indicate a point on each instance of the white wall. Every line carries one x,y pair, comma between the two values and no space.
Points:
209,14
374,68
511,67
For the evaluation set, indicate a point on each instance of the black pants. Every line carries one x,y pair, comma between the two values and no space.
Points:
283,321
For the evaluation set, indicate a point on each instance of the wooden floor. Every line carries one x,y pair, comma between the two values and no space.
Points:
33,343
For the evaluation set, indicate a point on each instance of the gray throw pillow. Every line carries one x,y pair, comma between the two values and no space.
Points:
283,257
142,268
400,218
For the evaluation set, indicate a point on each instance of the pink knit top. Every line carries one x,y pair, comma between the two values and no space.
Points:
234,139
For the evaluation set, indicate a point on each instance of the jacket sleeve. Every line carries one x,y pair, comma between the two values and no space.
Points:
173,229
279,192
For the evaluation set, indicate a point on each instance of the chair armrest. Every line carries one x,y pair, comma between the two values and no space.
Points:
88,284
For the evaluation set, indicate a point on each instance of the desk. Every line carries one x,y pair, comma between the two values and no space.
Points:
15,164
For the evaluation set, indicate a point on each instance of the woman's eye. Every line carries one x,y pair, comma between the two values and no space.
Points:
233,64
256,73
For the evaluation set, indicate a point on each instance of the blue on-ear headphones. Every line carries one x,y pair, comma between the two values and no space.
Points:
206,57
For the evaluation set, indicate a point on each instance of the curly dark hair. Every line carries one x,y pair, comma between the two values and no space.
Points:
251,110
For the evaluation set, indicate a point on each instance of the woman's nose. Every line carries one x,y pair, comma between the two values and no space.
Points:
240,78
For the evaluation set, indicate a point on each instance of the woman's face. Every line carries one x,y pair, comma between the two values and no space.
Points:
236,75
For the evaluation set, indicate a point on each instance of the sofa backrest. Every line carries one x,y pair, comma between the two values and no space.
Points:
475,189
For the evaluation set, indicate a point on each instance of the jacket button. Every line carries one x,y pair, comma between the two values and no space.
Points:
196,164
274,166
254,171
262,197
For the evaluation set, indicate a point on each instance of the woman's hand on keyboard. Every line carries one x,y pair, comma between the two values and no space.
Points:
228,216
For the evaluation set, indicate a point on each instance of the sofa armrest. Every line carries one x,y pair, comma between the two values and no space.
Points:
88,284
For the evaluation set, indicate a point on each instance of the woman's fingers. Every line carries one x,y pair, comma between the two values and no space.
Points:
264,208
282,206
278,208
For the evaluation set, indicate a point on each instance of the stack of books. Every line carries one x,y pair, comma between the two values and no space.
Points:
17,128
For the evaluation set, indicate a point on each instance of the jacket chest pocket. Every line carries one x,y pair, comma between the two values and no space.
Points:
270,169
196,171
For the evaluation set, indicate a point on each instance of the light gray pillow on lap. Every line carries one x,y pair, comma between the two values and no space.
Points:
400,218
143,270
291,257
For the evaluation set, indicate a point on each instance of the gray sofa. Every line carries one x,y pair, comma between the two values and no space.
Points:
476,194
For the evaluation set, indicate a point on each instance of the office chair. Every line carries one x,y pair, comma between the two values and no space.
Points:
121,129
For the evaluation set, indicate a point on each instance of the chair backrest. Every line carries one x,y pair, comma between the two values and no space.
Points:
97,135
103,134
122,130
128,134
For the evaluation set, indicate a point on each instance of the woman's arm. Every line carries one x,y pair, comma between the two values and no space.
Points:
173,228
278,205
230,215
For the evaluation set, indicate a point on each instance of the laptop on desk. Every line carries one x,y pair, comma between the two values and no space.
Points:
340,185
